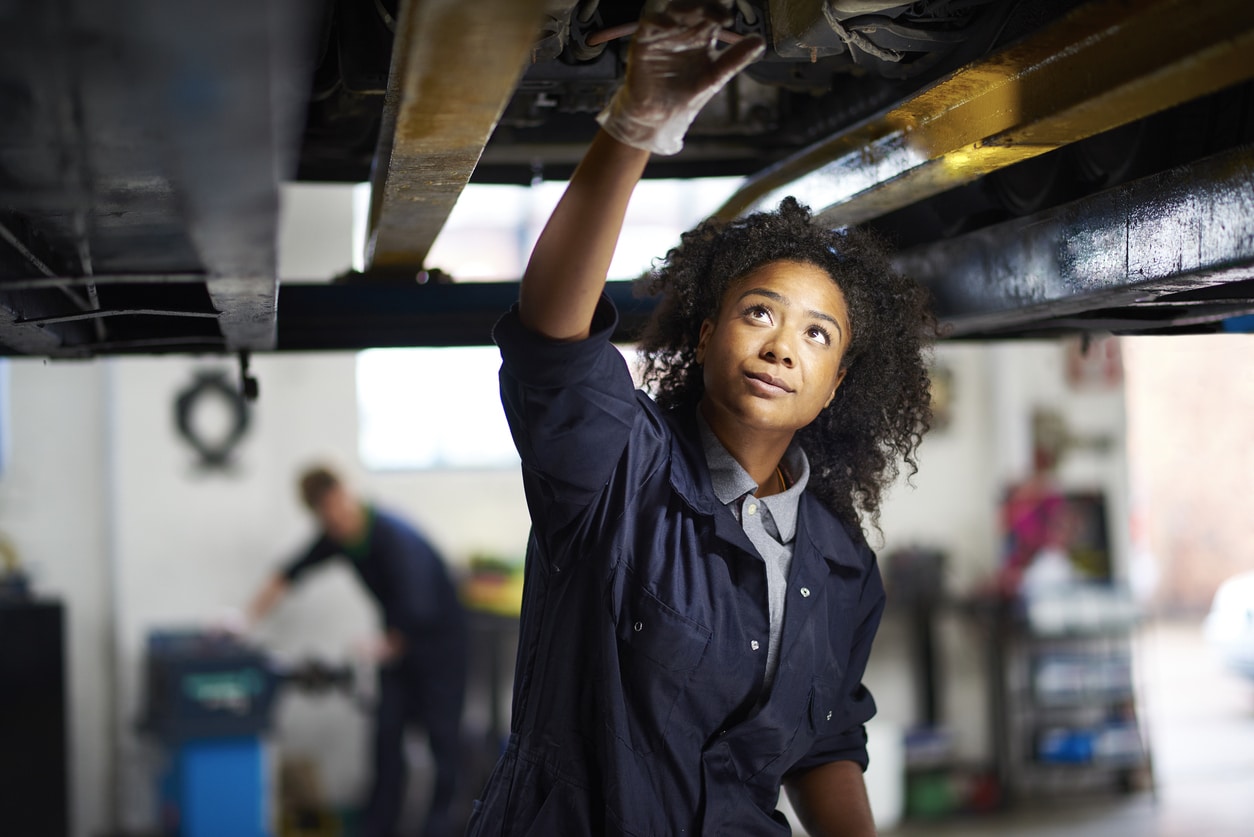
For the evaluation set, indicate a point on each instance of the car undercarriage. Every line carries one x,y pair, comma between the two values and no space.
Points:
1043,167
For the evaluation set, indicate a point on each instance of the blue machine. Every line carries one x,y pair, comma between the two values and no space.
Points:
218,787
209,702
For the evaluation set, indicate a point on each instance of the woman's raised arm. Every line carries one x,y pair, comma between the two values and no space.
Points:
673,69
568,266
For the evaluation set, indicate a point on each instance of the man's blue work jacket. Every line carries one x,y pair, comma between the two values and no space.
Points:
409,580
638,704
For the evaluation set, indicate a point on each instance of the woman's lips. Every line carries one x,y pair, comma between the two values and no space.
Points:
767,384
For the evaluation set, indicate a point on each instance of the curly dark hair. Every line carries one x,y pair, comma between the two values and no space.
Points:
883,407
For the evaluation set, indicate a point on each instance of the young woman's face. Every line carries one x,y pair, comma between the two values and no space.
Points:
771,359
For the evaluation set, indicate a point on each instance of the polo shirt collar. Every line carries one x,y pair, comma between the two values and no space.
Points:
819,532
731,481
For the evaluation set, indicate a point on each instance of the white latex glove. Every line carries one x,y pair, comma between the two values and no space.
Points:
673,69
230,621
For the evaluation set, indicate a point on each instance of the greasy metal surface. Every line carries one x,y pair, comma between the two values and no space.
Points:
798,29
1103,65
1155,248
144,137
1171,251
454,67
25,339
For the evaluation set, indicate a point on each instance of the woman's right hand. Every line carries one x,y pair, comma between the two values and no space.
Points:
673,69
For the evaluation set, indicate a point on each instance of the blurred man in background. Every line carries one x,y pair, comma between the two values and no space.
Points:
421,654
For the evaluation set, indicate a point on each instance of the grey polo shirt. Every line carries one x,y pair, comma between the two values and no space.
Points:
770,523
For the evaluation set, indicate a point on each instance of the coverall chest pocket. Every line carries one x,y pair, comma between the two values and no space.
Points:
658,651
826,707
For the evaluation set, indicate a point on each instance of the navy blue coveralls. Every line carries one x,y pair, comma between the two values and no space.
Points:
427,685
638,701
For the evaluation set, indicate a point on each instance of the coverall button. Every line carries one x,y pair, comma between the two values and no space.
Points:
638,625
754,645
805,592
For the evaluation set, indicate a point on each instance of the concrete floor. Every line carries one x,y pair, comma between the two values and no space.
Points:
1201,733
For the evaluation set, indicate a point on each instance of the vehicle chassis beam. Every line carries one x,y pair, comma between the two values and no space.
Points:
1148,248
454,68
1103,65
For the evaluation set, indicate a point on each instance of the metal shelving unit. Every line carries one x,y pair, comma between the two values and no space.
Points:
1065,710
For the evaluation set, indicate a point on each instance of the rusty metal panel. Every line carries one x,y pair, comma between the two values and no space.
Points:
454,68
1154,250
1103,65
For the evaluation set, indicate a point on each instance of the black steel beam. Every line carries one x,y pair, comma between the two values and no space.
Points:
1137,257
347,317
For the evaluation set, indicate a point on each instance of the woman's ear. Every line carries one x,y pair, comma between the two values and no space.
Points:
840,376
703,339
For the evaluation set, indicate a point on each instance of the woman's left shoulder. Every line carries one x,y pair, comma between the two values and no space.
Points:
841,543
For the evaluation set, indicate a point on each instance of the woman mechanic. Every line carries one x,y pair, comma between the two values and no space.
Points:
700,601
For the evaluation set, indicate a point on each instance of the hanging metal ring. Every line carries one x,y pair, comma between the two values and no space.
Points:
213,453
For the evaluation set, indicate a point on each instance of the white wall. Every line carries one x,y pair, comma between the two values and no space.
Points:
54,508
951,503
951,506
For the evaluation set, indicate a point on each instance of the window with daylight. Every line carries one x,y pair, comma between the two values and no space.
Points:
420,409
432,408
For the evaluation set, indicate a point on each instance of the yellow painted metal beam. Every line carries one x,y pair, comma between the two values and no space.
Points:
454,68
1101,66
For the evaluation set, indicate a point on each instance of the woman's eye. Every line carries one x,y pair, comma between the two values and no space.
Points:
819,334
758,312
